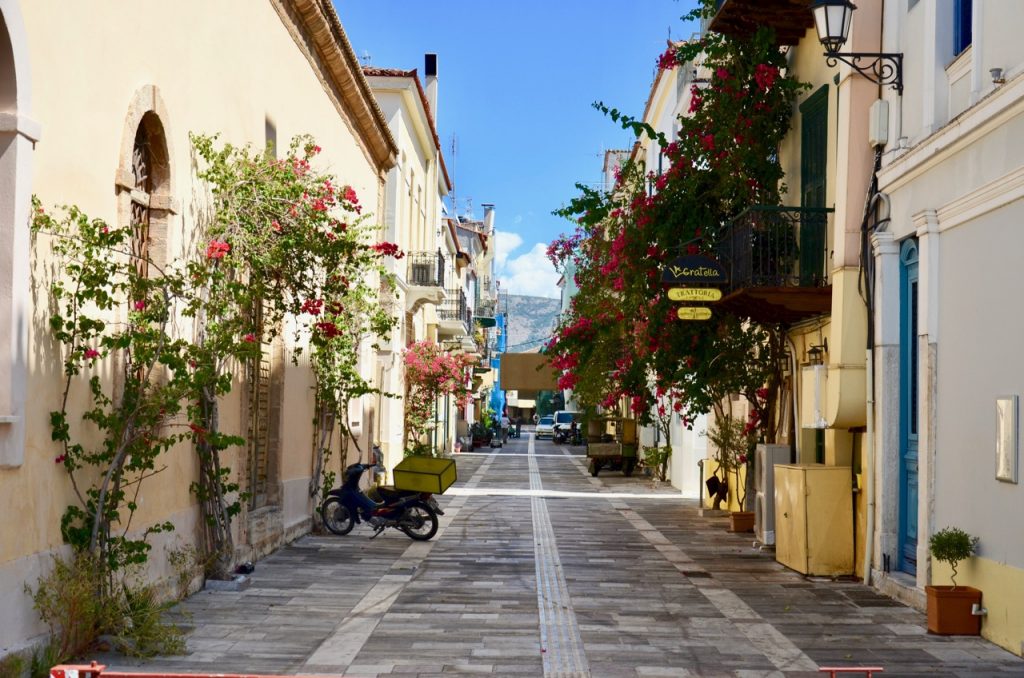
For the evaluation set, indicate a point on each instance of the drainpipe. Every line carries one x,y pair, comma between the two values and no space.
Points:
868,468
796,399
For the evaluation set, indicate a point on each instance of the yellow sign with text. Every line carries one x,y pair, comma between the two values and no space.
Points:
694,313
694,294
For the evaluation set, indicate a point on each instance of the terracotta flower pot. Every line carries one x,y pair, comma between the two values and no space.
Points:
949,610
741,521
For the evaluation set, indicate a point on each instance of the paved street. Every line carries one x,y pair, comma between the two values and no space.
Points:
540,569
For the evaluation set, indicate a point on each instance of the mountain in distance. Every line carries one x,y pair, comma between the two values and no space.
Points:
531,320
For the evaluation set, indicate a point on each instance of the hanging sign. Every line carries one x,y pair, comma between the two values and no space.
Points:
694,313
694,268
695,294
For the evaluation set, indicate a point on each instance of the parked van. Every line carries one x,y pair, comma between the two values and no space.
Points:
564,420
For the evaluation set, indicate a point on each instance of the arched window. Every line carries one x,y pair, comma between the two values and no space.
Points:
144,179
18,134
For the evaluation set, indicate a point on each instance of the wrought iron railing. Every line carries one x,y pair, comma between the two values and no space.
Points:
455,307
485,308
776,247
426,269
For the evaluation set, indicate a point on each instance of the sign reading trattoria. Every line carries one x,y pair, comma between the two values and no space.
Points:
694,268
694,294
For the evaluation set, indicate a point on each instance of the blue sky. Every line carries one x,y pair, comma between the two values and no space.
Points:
516,81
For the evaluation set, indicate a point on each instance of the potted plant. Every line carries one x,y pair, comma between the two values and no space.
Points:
950,608
734,441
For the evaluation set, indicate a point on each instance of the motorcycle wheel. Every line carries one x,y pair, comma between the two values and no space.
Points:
337,518
419,521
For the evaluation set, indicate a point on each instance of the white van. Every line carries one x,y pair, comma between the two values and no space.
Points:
564,420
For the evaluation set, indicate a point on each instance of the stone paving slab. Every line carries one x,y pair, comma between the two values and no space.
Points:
653,588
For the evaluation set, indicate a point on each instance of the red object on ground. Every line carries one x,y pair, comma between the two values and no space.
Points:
867,670
95,670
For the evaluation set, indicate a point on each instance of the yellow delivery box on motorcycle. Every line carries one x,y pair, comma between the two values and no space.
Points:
425,474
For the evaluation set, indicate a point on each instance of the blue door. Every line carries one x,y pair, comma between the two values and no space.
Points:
909,361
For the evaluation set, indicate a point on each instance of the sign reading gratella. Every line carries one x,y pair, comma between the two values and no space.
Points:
694,268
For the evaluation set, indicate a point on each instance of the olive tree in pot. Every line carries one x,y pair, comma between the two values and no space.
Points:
735,442
951,608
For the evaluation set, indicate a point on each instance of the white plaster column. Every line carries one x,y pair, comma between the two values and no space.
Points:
978,79
927,226
887,394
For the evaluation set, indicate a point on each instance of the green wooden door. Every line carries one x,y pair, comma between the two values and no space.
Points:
813,166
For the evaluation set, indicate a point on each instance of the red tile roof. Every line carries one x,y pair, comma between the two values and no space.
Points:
371,71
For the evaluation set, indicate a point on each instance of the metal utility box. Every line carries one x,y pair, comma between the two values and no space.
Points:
814,518
425,474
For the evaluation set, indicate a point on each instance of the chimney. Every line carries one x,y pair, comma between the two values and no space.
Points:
488,217
430,70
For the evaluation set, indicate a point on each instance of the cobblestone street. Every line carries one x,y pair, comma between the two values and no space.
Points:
540,569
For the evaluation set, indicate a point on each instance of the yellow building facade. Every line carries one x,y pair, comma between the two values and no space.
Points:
80,83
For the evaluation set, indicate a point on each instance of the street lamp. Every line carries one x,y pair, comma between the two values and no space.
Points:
832,18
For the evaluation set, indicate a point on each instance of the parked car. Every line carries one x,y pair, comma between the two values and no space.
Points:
545,427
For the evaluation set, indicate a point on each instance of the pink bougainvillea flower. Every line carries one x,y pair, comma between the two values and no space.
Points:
350,195
276,225
60,459
217,249
91,353
140,305
249,338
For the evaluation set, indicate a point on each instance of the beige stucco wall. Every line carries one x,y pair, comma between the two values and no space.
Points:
225,68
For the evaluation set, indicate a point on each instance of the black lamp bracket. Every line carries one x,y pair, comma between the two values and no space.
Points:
883,69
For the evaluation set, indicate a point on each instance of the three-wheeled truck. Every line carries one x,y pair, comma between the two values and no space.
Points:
612,444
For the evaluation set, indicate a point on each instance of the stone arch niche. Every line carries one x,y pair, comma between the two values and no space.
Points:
144,180
18,134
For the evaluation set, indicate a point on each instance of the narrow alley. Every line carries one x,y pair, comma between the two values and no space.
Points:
540,569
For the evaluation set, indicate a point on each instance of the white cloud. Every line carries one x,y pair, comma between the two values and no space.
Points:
505,243
531,274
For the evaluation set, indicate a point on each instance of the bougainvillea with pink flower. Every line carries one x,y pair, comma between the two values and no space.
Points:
431,373
277,241
635,354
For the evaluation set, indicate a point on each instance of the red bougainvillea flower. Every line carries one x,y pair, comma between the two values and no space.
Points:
140,305
762,393
765,76
249,338
217,249
350,195
742,459
313,306
669,59
388,249
91,353
328,329
60,459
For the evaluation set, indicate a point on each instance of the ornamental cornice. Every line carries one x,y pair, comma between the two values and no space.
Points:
317,31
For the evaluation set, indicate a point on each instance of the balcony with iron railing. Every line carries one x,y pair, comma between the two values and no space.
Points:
425,278
789,18
426,269
777,262
455,315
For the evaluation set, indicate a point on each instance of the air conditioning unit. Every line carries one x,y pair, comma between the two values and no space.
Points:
765,459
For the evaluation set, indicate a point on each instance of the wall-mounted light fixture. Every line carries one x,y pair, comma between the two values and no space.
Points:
832,18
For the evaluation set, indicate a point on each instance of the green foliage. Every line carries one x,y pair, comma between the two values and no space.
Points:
13,665
657,459
952,545
69,601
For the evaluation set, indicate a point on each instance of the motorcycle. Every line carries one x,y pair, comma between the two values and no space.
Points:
414,513
571,436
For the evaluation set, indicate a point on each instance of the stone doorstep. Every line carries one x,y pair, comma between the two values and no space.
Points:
238,582
901,587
